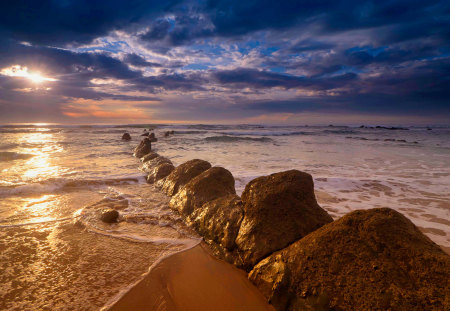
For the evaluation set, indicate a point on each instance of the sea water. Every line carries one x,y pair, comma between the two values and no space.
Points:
56,255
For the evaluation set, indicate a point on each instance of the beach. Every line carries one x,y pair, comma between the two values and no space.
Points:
57,254
193,280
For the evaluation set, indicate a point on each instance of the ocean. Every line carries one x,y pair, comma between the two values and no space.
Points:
56,255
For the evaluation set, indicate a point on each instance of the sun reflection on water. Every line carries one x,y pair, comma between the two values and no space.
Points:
42,145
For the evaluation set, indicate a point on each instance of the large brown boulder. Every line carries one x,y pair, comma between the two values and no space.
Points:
278,209
368,260
144,147
183,174
218,221
150,165
149,156
159,171
209,185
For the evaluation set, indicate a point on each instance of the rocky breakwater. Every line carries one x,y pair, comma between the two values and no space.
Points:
374,259
298,257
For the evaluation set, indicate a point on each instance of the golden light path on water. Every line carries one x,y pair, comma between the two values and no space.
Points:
42,145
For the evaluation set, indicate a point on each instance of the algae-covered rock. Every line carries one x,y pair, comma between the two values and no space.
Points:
144,147
150,165
368,260
109,216
278,209
218,221
209,185
159,171
183,174
149,156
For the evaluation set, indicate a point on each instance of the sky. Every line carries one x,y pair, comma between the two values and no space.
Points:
217,61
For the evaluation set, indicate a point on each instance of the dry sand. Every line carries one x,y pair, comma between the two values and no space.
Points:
193,280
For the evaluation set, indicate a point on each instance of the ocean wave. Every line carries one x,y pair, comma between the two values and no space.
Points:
228,139
8,146
11,156
190,132
268,133
63,184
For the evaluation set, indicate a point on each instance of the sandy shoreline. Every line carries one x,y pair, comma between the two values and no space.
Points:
193,280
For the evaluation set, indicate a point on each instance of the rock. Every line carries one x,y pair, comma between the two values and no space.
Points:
209,185
151,135
126,136
150,165
368,260
160,171
149,156
153,139
145,134
109,216
218,221
183,174
144,147
278,209
168,133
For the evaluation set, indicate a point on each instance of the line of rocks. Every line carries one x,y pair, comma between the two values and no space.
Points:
295,253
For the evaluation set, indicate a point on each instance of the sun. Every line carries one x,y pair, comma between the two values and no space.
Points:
19,71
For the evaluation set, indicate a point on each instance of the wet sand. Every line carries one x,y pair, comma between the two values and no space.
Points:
193,280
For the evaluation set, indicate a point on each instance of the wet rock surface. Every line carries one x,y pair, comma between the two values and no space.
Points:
144,147
278,209
207,186
159,171
149,156
183,174
368,260
109,216
218,221
150,165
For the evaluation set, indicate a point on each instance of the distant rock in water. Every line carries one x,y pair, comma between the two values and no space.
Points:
109,216
159,172
168,133
126,136
149,156
144,147
278,209
145,134
368,260
209,185
183,174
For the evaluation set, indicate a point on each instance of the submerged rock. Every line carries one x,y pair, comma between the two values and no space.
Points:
183,174
368,260
209,185
159,171
149,156
278,209
144,147
109,216
126,136
218,221
152,137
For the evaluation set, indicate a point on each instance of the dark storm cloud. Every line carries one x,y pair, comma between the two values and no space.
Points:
139,61
67,21
365,56
243,78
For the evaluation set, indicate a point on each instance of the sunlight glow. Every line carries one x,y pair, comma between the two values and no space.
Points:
19,71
